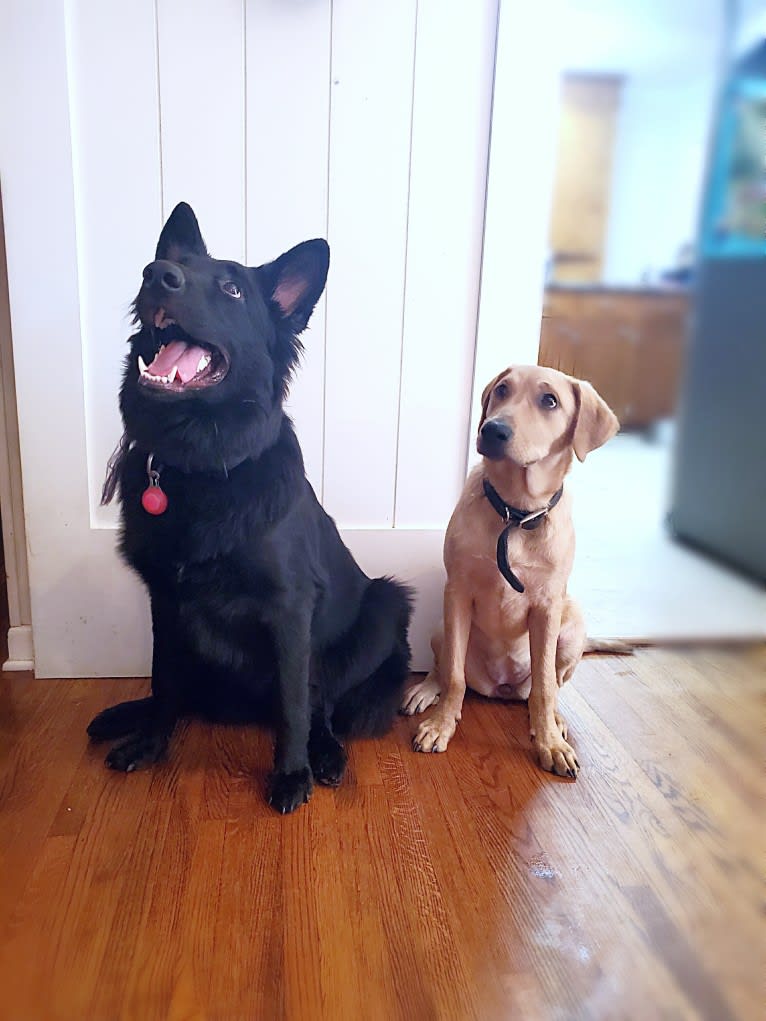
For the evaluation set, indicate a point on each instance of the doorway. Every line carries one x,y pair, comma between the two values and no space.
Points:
637,90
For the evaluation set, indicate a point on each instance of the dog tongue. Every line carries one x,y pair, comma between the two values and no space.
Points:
185,357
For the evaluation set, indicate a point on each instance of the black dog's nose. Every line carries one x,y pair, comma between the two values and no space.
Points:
163,275
494,431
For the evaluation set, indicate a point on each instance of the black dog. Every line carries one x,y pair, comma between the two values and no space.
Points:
256,603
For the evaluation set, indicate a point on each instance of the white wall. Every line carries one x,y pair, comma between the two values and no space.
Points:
659,164
311,119
752,24
668,53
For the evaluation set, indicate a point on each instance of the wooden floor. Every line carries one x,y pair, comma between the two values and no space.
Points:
465,885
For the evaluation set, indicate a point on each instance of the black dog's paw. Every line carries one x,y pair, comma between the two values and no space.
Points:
120,720
327,758
100,728
136,752
288,791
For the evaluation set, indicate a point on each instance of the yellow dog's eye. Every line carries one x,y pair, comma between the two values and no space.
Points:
549,401
501,390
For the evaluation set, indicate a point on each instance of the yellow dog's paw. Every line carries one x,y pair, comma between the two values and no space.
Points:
418,697
433,735
556,756
561,723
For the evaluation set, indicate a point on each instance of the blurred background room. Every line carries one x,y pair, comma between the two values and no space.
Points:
661,124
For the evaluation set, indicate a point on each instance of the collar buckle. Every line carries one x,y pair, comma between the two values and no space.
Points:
533,516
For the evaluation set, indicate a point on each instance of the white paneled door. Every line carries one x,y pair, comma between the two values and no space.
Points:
278,120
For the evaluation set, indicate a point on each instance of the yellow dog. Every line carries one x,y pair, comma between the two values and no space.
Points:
510,629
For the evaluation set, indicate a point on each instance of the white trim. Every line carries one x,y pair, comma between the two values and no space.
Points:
11,495
121,610
21,650
38,194
519,185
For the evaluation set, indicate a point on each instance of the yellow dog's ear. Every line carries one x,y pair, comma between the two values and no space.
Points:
595,423
487,393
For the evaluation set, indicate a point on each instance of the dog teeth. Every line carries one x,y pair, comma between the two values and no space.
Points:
150,375
162,319
203,363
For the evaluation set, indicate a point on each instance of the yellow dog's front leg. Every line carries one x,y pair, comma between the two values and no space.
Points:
545,725
435,732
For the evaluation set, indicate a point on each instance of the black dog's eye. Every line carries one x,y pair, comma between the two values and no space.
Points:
549,401
501,390
231,288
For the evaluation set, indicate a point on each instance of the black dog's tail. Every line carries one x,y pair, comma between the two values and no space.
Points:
377,651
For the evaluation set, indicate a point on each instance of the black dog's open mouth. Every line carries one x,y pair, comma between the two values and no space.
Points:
181,363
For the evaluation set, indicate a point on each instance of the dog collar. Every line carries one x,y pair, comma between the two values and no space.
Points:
515,518
154,499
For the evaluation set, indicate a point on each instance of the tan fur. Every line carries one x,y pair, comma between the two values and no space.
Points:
500,642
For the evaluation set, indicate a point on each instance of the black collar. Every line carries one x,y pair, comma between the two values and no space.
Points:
116,463
515,518
513,515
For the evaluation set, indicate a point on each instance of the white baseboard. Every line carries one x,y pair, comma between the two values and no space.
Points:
21,649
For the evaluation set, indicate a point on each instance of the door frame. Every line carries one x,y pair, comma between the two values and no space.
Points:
520,173
20,647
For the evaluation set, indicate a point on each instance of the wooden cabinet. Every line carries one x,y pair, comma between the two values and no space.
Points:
628,343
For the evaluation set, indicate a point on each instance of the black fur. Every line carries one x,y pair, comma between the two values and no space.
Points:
258,609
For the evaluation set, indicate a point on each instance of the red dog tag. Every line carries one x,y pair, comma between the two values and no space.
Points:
154,500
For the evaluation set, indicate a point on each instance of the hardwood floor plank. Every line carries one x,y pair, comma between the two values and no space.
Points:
392,985
539,842
247,956
498,970
363,769
432,936
42,757
708,1002
705,793
141,869
32,937
657,673
689,867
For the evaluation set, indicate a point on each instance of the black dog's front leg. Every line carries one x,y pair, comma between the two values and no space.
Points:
291,782
150,741
326,754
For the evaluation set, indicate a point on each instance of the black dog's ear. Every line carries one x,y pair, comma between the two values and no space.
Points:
181,234
295,280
